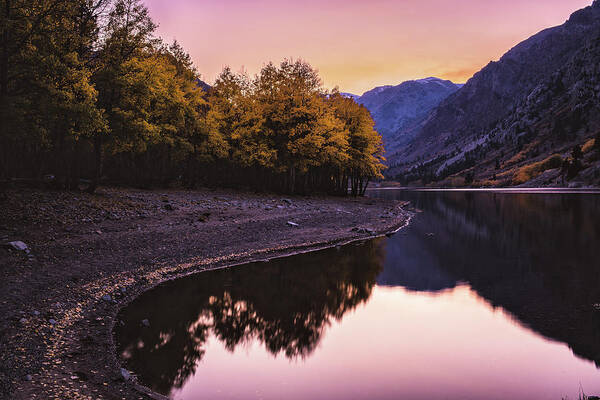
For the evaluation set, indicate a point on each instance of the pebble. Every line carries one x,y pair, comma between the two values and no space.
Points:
364,230
19,246
106,297
52,322
28,378
125,374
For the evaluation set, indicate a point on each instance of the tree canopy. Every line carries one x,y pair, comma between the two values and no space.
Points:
88,91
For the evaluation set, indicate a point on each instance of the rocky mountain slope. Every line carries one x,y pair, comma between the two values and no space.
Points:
396,109
541,98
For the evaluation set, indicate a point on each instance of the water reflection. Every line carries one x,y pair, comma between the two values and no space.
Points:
285,304
505,269
535,255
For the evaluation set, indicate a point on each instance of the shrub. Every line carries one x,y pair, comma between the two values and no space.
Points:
531,171
589,145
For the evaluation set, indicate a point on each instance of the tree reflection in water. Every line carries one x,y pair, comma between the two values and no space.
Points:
286,304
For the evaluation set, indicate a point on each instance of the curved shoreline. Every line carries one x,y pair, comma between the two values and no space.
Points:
82,277
296,250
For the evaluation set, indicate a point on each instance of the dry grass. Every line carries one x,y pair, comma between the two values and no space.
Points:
522,155
453,182
517,158
531,171
487,183
588,146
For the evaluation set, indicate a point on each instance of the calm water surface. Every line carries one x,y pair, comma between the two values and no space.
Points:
485,296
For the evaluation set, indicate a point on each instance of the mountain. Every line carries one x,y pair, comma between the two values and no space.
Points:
396,108
541,98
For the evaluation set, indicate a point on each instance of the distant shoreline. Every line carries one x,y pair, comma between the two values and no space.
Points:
499,190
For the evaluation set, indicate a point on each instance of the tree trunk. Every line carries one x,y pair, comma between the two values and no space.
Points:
4,64
364,189
98,162
74,172
292,179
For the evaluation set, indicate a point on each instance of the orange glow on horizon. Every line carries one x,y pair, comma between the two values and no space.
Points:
356,45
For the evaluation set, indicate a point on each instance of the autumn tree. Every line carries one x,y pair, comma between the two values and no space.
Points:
47,102
88,90
281,131
304,133
365,144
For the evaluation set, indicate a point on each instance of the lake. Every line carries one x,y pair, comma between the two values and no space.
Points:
486,295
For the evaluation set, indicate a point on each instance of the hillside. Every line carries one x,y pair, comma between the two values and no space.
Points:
539,99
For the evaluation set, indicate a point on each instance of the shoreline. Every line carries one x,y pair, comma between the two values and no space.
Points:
144,390
81,277
515,189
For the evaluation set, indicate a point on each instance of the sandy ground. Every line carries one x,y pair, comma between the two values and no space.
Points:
91,254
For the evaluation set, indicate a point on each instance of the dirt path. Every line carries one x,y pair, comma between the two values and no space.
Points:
90,254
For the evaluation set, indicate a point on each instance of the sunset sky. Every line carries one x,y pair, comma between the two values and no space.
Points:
356,45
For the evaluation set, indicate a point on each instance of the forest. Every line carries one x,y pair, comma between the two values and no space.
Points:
90,95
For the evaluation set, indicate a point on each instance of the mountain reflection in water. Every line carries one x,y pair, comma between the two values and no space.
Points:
534,256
